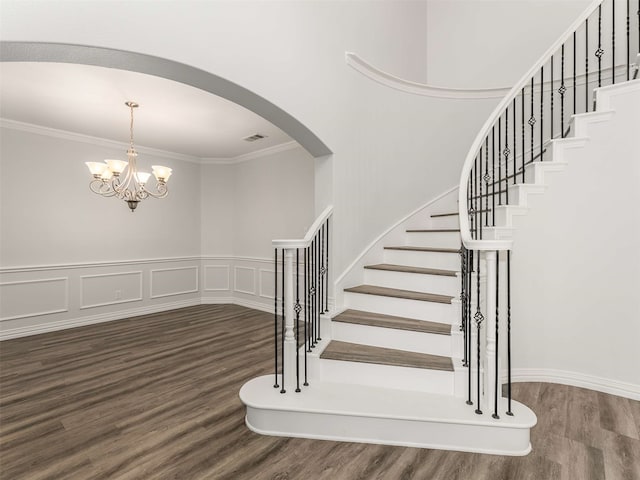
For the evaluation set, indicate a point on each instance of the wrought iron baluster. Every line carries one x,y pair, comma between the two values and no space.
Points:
532,120
522,133
541,113
321,269
306,314
283,322
509,412
575,93
506,153
478,317
499,162
312,292
496,391
307,289
486,180
586,65
599,51
552,94
628,42
319,276
297,309
326,273
275,316
613,42
493,176
515,144
463,296
561,91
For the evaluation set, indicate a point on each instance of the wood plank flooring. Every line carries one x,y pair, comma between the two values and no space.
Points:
156,397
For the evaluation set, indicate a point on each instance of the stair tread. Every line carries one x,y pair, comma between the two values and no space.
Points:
360,317
355,352
410,269
424,249
435,215
397,293
433,230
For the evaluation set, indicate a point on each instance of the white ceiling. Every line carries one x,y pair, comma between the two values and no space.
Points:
90,100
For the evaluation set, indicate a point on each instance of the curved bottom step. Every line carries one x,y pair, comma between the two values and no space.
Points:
353,413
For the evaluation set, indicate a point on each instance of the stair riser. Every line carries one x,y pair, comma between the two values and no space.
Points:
392,338
358,373
413,281
505,215
445,222
445,261
537,173
434,239
435,312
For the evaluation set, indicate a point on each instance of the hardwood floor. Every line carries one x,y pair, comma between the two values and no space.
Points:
156,397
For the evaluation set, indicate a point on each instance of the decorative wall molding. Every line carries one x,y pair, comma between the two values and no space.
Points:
236,276
416,88
97,264
103,142
105,289
591,382
263,275
63,298
170,293
206,278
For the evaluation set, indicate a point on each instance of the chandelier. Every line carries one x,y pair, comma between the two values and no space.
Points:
117,178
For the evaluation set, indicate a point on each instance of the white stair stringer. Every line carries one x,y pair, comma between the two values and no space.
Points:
357,413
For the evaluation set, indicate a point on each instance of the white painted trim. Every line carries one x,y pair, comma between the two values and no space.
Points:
115,302
416,88
260,290
226,267
576,379
388,230
98,264
151,272
93,319
235,279
40,280
102,142
282,147
313,229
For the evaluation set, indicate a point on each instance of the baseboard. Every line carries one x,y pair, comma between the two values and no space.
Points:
575,379
93,319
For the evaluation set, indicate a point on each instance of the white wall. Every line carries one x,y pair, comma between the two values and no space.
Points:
69,257
576,265
50,216
483,44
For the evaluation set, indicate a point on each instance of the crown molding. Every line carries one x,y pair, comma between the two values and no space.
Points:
283,147
103,142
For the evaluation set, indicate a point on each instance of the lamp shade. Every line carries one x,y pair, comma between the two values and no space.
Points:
116,166
161,173
142,177
96,168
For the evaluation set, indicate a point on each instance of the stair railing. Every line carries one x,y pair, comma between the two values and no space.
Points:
301,276
535,112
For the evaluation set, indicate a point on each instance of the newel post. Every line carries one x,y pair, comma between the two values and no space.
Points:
289,315
490,331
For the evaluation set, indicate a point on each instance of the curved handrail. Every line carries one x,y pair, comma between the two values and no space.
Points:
311,232
416,88
465,232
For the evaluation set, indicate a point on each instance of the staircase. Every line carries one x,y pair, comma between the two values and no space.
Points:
416,350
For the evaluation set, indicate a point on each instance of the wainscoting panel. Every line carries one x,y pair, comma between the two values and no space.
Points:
245,280
30,298
216,278
110,289
167,282
267,279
